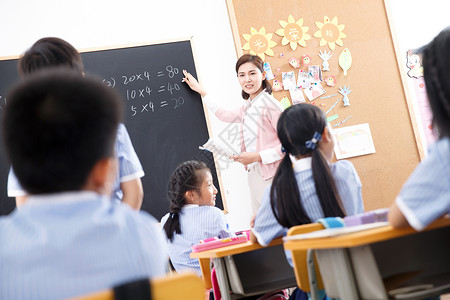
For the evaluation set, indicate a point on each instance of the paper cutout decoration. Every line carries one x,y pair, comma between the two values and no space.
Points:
285,102
332,106
294,62
345,60
306,60
414,64
332,118
344,91
314,91
293,33
259,43
268,70
277,86
330,33
297,95
342,122
353,141
288,80
304,79
325,56
315,72
330,80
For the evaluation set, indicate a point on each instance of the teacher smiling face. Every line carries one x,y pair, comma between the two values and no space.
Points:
250,79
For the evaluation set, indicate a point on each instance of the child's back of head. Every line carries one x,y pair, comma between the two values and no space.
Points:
436,63
57,126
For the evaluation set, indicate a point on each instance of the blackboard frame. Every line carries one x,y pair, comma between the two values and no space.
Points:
215,166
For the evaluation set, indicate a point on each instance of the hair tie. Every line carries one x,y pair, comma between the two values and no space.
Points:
283,150
311,144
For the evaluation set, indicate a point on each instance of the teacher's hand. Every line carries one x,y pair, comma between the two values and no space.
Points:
193,83
246,158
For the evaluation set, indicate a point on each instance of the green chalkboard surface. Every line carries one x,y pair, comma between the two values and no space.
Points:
164,118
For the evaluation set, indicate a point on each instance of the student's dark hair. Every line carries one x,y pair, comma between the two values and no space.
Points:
49,52
297,125
57,126
436,63
187,176
259,63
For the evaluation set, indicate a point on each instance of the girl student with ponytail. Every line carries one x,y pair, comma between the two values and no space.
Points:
193,216
426,194
306,186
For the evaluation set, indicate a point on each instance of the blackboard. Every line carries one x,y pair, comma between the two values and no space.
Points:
165,119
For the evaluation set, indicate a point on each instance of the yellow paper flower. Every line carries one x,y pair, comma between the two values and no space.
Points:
293,33
330,32
259,43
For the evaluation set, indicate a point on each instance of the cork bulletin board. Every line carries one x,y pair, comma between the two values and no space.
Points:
377,94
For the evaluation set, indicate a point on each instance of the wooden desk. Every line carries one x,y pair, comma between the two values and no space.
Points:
247,269
364,265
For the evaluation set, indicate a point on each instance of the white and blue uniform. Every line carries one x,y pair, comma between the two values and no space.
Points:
69,244
348,185
130,167
197,223
426,194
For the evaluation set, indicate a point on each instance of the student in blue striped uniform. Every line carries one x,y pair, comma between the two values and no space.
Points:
69,239
306,186
49,52
426,194
193,216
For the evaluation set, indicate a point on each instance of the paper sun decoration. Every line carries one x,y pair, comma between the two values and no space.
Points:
330,33
259,43
293,33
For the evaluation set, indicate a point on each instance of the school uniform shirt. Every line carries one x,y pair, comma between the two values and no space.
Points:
348,185
426,194
70,244
197,223
258,128
130,167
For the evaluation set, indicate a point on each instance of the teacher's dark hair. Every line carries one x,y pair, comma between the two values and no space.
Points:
50,52
57,126
259,63
187,176
297,125
436,63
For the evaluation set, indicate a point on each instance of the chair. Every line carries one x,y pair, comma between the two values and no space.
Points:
302,267
173,286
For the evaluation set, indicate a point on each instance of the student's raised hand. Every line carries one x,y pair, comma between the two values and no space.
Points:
193,83
246,158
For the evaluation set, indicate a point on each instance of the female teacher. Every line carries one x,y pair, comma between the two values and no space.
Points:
260,147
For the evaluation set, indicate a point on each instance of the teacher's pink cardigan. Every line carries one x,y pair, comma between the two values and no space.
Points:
267,137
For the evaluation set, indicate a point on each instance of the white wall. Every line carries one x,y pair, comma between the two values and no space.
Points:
416,23
102,23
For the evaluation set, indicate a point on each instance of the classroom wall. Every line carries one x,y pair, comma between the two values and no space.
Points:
101,23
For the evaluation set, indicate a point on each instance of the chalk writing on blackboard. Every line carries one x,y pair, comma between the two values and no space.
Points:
135,91
2,102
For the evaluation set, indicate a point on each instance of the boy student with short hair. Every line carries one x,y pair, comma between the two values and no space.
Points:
69,239
50,52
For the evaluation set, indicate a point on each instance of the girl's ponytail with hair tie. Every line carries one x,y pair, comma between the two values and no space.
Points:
312,143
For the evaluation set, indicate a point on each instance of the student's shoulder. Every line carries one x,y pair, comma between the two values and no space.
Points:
206,209
343,168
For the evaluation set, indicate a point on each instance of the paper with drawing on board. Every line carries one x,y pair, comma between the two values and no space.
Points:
353,141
